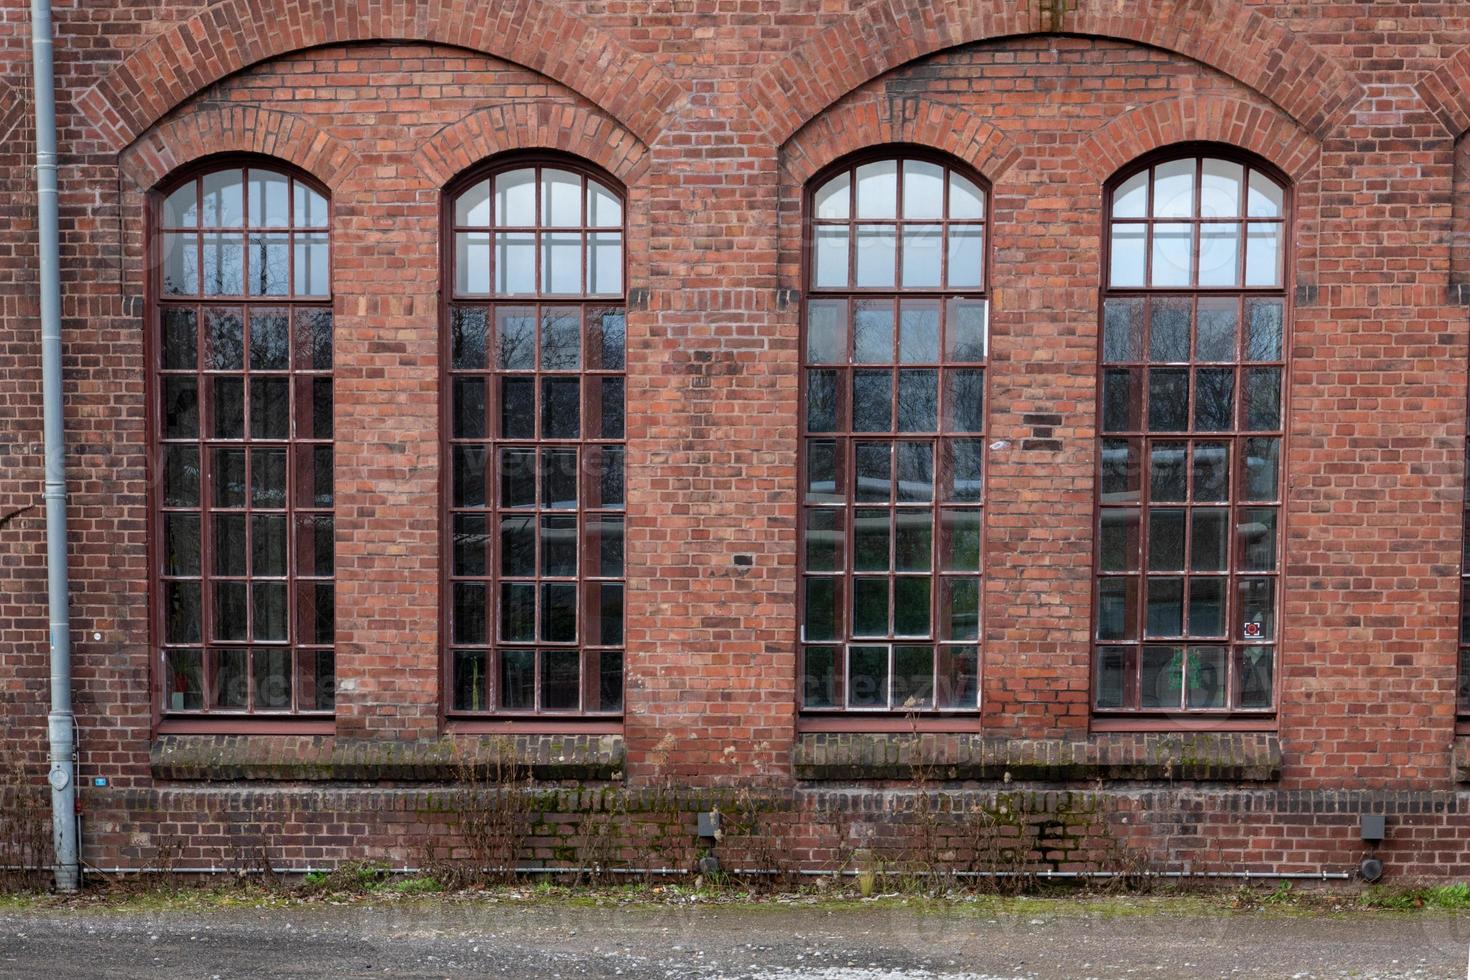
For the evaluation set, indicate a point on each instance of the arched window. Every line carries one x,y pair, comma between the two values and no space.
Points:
893,419
242,525
534,442
1190,422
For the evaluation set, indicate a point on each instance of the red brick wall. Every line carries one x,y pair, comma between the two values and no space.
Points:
714,115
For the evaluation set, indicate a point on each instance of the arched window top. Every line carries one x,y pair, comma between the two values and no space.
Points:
538,230
245,231
1197,222
899,222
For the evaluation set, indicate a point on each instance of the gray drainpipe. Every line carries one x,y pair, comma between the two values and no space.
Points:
60,722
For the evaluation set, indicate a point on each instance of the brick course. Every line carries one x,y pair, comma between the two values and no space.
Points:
714,116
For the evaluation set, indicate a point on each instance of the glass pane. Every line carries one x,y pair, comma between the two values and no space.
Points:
231,618
310,208
1218,321
561,263
870,607
1205,678
959,677
270,408
918,331
962,480
1257,533
181,265
1220,187
517,546
470,680
1127,258
1262,469
877,189
923,189
561,401
821,614
180,476
1167,474
180,544
224,265
966,200
268,544
915,472
605,476
515,263
911,606
272,679
1208,540
819,677
921,256
824,541
1266,197
1117,600
913,678
181,208
517,610
605,407
229,544
604,208
1214,399
959,608
874,472
1207,608
270,341
1121,471
180,397
608,627
1257,611
1166,540
867,677
269,265
559,479
1123,329
826,331
872,401
184,682
517,408
1168,329
964,400
224,199
913,539
1219,255
1122,393
269,609
467,471
183,614
473,206
559,545
228,396
823,401
831,199
872,331
313,339
561,198
1174,189
1118,535
1162,682
966,256
231,682
918,400
515,338
1113,676
1254,672
312,265
227,472
558,612
1263,398
1130,200
1263,255
467,408
610,680
561,680
224,340
180,339
872,532
471,536
518,680
1266,317
960,540
316,605
965,329
1168,399
831,257
1165,606
825,472
515,198
876,256
471,262
1173,252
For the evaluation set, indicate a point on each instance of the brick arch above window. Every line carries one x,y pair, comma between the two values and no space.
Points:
224,38
281,136
876,38
573,130
1445,91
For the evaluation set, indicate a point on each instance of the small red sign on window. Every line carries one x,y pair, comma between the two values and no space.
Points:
1253,631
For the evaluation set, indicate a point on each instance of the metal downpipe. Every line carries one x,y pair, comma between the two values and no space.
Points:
61,723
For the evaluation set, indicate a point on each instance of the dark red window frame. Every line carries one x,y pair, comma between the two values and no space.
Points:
822,689
1192,486
473,555
271,345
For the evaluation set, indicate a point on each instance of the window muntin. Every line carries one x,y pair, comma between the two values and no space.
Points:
1192,374
535,445
893,361
243,521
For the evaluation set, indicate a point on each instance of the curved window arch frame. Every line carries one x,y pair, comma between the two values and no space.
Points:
890,716
1231,716
248,719
491,716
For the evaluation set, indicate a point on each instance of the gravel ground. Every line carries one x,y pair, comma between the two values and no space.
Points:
441,939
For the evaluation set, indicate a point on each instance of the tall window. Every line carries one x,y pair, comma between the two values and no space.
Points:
1194,323
535,443
892,439
242,418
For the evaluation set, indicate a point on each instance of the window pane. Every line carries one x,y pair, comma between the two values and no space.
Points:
231,619
610,680
867,677
960,540
911,606
518,680
1205,678
559,545
1167,474
1208,540
1172,257
1266,197
561,263
1214,399
959,608
961,469
223,199
1219,255
965,329
1162,682
1121,470
1263,255
831,257
964,400
1117,600
1165,606
1166,540
1263,398
1174,189
470,613
604,209
180,397
876,256
184,682
874,472
517,547
470,680
180,340
1207,607
224,265
471,262
561,400
1130,200
313,339
872,531
561,198
826,331
1168,399
268,544
918,331
229,544
609,624
517,408
825,472
966,256
913,677
228,396
181,265
1220,189
180,476
606,339
966,200
561,680
272,679
923,189
515,263
872,401
1118,551
915,472
1218,321
313,262
831,199
224,340
1254,671
1122,395
872,331
473,206
1114,674
1257,608
180,544
823,601
310,208
921,256
1127,255
824,541
231,682
468,476
270,407
559,479
515,338
1257,533
918,401
471,536
870,606
959,677
1265,317
467,408
823,410
269,265
517,610
515,198
819,677
270,341
877,189
181,208
183,615
1168,329
1262,469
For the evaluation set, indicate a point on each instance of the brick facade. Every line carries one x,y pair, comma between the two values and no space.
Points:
714,116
